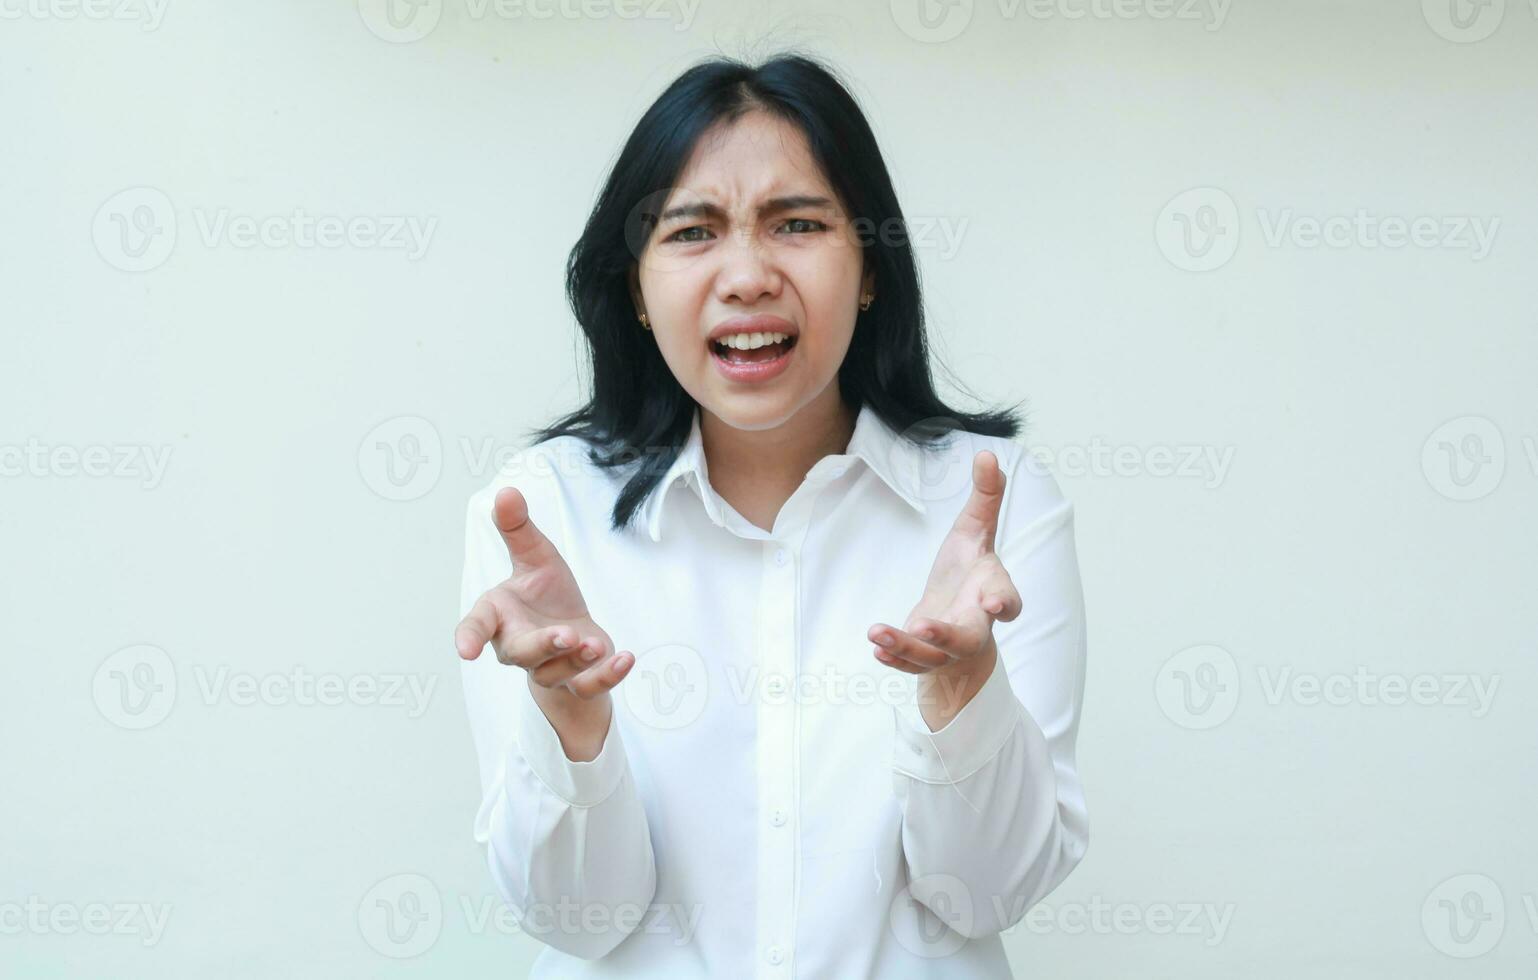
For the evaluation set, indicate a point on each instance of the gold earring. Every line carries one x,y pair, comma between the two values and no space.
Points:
865,301
644,322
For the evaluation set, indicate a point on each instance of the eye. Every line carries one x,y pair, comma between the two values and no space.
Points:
816,226
678,236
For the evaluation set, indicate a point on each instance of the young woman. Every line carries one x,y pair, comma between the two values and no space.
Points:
706,748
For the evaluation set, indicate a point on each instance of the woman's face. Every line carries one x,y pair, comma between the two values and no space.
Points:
752,229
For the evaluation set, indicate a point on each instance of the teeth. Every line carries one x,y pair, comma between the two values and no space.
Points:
750,341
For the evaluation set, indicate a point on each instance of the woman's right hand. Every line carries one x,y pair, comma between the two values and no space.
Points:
536,619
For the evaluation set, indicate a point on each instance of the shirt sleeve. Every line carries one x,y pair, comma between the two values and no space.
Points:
563,838
992,810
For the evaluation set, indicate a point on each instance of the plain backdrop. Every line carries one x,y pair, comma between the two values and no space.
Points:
1231,254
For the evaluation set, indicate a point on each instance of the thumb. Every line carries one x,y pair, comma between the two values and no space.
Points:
526,544
980,515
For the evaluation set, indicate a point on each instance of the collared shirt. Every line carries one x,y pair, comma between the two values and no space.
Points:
768,801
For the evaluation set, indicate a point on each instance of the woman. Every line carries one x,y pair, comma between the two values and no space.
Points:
789,785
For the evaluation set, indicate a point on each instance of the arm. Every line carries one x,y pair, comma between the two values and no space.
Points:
562,836
991,803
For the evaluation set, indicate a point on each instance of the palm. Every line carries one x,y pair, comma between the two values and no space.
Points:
958,580
542,586
967,590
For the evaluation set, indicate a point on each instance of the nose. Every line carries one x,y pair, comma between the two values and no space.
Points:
748,273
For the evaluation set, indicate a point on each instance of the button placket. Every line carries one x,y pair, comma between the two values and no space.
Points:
779,737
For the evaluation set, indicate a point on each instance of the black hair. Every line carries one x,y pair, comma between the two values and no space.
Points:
639,415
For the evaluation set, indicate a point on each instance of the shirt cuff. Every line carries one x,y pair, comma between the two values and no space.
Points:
968,741
581,784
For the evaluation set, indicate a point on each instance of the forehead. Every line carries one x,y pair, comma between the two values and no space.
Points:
753,157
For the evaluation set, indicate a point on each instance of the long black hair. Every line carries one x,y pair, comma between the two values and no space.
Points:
639,415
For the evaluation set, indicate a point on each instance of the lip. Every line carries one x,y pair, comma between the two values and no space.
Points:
752,371
755,323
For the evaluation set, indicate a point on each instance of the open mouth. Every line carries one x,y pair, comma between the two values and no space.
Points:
766,350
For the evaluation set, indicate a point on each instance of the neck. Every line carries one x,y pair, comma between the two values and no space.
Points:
756,470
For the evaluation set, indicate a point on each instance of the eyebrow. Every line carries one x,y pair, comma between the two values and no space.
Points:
775,205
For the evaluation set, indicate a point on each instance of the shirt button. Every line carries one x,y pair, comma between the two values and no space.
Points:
778,818
774,955
779,556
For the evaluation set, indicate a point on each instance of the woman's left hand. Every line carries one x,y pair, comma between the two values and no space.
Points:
950,632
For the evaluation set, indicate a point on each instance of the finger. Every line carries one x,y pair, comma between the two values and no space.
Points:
559,670
897,663
526,543
476,629
529,648
954,639
602,677
1002,602
571,659
907,647
980,515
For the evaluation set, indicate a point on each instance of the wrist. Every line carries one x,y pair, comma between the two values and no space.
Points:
945,691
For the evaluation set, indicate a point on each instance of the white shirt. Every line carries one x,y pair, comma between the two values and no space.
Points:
768,801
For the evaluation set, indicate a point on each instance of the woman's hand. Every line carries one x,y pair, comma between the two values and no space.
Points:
948,638
536,619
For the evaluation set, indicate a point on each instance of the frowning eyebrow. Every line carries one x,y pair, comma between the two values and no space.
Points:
775,205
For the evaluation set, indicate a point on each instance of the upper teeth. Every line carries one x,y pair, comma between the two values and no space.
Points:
748,341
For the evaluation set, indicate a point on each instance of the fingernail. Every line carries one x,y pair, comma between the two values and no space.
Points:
621,662
884,640
588,653
560,643
926,634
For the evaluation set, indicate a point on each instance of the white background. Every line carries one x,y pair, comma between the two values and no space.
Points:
1374,404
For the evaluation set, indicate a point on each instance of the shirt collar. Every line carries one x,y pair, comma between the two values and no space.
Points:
897,461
